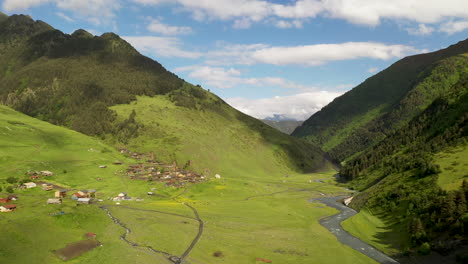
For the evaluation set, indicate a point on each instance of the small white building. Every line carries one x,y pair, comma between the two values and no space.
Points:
347,201
29,185
84,200
54,201
4,210
47,173
217,176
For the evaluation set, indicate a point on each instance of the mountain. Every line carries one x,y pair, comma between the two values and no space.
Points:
253,189
74,80
277,117
285,126
382,104
402,137
417,175
236,212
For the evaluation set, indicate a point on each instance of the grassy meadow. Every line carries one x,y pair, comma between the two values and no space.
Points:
258,209
454,167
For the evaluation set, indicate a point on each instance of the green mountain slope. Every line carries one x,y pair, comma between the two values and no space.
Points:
415,178
383,103
72,80
66,79
252,201
29,144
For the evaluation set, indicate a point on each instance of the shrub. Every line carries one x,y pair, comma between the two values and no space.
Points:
12,180
425,249
218,254
9,189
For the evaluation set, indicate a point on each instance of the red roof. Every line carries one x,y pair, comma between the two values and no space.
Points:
90,235
4,200
78,195
264,260
9,206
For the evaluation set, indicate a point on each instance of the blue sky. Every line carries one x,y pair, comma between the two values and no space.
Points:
266,57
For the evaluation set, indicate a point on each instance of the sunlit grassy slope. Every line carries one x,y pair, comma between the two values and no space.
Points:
253,211
218,141
454,167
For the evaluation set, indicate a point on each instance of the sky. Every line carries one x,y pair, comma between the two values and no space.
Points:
266,57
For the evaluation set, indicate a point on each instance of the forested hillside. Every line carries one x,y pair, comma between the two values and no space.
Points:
383,103
71,79
399,176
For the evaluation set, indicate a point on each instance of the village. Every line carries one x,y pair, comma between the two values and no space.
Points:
147,169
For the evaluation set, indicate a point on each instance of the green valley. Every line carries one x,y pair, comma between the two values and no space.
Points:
256,208
107,157
405,154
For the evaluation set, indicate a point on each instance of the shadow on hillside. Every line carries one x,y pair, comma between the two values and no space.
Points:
393,234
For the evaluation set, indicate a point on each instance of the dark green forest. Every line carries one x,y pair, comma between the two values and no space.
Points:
70,80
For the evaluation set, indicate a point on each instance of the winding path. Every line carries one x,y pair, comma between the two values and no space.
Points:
173,258
333,224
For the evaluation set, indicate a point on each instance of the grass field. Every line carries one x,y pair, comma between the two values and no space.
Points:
375,230
454,167
253,211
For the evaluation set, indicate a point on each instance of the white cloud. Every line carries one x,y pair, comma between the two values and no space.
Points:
373,70
421,30
453,27
365,12
242,23
228,54
62,15
310,55
323,53
217,76
161,46
157,26
15,5
220,77
299,106
288,24
95,11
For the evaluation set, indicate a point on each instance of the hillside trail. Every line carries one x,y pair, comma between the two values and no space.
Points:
333,224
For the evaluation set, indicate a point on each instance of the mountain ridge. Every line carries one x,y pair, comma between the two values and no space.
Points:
364,104
73,80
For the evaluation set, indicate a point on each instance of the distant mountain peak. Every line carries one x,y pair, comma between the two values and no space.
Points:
280,117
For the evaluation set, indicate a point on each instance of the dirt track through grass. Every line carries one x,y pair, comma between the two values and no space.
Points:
173,258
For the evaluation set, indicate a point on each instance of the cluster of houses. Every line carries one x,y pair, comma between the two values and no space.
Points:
151,170
35,175
6,206
121,197
81,197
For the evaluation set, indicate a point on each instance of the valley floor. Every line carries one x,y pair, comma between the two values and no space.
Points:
207,223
